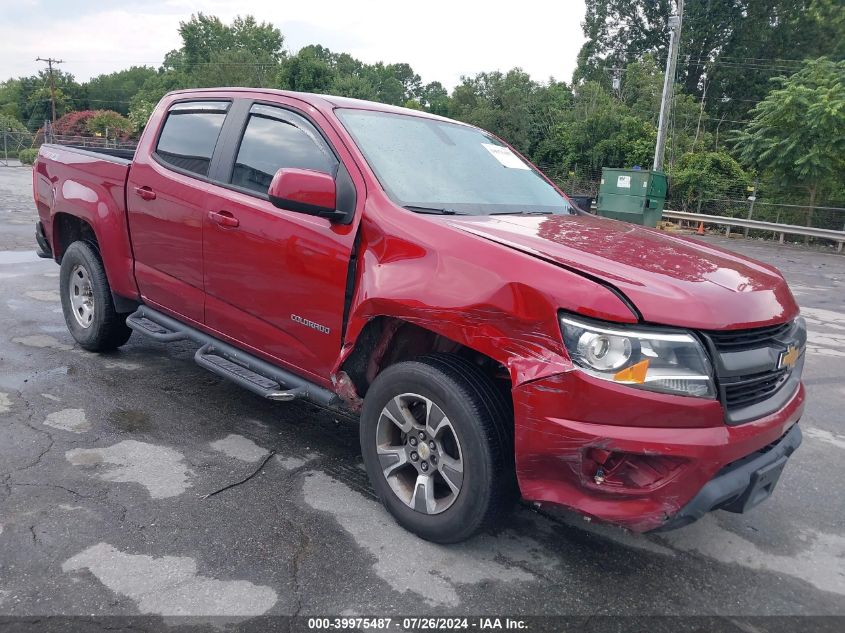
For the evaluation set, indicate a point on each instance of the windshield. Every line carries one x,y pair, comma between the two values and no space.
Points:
435,166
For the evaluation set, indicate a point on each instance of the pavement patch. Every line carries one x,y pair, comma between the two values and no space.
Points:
292,462
834,439
43,295
129,420
433,571
72,420
42,341
826,331
160,469
239,447
123,364
816,563
170,585
18,257
5,402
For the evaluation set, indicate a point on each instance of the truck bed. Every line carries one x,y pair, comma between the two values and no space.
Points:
120,154
73,184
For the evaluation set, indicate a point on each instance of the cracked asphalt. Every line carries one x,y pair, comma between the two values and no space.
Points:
106,462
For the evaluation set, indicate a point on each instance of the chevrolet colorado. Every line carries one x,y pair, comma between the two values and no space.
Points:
496,340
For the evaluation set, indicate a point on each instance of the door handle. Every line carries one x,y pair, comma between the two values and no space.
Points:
145,193
223,218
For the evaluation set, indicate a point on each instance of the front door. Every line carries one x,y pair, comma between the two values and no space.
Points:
275,279
166,200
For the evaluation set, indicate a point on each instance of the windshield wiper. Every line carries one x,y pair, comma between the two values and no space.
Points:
523,213
431,210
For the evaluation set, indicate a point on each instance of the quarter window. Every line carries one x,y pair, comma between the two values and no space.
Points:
274,139
190,134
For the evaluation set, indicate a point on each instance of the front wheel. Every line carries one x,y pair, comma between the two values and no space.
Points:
87,303
436,437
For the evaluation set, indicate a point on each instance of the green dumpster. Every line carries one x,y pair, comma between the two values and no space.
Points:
632,195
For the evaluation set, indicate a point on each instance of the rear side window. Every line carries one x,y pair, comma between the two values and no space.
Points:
273,139
190,134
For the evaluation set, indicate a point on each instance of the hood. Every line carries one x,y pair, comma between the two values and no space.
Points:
671,280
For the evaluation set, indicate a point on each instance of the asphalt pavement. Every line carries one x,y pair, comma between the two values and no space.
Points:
107,461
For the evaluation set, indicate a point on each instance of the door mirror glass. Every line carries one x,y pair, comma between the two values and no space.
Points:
305,191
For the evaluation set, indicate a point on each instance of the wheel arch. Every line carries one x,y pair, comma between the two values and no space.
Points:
386,340
68,228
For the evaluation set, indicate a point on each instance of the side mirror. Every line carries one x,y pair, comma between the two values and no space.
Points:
304,191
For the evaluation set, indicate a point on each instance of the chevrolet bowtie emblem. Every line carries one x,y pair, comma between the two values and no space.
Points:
789,357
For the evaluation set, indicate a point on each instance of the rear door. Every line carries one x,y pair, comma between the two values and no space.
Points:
275,279
166,201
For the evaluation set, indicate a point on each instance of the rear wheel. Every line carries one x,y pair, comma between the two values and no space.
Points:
436,440
87,302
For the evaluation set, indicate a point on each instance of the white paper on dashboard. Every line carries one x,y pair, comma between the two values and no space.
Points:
505,156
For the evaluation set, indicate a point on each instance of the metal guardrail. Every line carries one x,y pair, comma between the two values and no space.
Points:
782,229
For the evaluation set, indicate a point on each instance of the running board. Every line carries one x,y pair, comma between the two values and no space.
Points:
150,328
248,371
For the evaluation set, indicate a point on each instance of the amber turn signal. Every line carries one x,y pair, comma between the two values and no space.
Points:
634,373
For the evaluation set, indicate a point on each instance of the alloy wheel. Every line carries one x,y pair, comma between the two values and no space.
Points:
419,453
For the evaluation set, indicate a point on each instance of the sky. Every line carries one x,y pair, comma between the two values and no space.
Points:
441,40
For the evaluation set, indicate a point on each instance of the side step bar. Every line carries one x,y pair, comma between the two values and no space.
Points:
248,371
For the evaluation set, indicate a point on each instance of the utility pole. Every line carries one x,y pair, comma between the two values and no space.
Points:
50,61
617,80
668,84
752,199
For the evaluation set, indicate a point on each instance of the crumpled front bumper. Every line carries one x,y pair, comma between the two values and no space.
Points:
562,422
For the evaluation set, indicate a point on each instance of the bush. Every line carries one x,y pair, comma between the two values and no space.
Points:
87,123
109,124
708,175
73,123
27,156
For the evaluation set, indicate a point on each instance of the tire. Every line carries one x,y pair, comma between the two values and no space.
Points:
473,447
87,301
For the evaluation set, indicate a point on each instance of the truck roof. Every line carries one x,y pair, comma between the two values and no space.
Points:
322,102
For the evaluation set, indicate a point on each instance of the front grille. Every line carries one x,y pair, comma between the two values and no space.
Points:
749,380
743,391
736,340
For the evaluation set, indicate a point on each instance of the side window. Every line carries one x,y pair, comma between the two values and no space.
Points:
273,139
190,133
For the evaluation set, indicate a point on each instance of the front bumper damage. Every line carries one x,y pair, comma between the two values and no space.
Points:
740,486
644,460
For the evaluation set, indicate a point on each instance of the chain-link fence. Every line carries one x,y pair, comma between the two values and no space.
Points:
49,135
13,142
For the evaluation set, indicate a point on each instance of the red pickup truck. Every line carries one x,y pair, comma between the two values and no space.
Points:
496,340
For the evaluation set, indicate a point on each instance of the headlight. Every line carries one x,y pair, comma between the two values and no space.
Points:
658,360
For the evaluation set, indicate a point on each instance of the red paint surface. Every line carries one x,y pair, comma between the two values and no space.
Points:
493,284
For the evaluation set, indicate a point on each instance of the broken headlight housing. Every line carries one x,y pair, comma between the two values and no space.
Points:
668,361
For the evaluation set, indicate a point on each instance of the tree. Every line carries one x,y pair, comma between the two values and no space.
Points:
619,32
435,98
203,36
10,98
30,97
772,37
797,132
236,67
307,71
13,134
732,46
113,91
144,101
